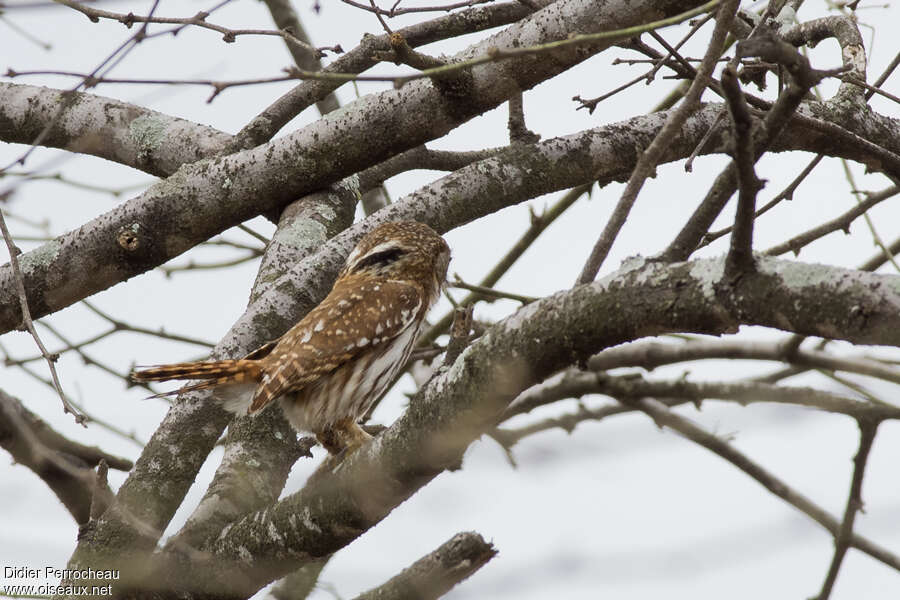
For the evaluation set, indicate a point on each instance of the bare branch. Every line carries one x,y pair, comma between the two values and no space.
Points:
839,223
664,417
437,573
198,20
64,465
803,78
234,188
265,125
843,538
740,254
28,324
518,130
494,182
138,137
305,58
463,402
650,157
652,354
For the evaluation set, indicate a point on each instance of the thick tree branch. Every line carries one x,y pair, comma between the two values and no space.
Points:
64,465
148,230
118,131
603,154
437,573
465,401
264,126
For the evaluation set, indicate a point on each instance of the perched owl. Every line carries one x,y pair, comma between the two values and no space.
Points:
329,368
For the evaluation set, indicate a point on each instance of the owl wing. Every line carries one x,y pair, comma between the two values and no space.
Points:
350,321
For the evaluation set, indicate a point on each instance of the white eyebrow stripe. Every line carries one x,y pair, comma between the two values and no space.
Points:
357,256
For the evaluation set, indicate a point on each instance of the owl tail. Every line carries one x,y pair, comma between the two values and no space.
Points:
215,373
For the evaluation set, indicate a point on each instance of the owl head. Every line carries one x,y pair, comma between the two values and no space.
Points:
404,251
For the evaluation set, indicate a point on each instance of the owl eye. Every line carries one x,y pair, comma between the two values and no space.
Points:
380,258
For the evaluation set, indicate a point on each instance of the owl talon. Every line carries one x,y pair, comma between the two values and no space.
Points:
343,437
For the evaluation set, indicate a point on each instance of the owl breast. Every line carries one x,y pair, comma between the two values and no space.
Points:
350,390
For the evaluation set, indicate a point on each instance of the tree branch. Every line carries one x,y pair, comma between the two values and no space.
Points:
229,190
64,465
603,154
435,574
305,57
663,416
650,158
465,401
125,133
740,253
843,537
265,125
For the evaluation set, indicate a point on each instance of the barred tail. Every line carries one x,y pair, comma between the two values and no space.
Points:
216,373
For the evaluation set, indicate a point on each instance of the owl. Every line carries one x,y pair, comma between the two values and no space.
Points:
329,368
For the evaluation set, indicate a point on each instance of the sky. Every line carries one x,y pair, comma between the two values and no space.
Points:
616,509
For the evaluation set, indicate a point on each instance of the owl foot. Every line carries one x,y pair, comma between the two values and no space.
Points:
341,441
344,436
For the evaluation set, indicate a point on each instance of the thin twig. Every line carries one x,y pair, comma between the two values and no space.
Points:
394,11
867,430
648,160
459,333
786,194
161,333
689,163
491,292
114,58
663,416
198,20
876,237
647,77
14,252
539,224
840,223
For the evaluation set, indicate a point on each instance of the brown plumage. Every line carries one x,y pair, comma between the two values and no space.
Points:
329,368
